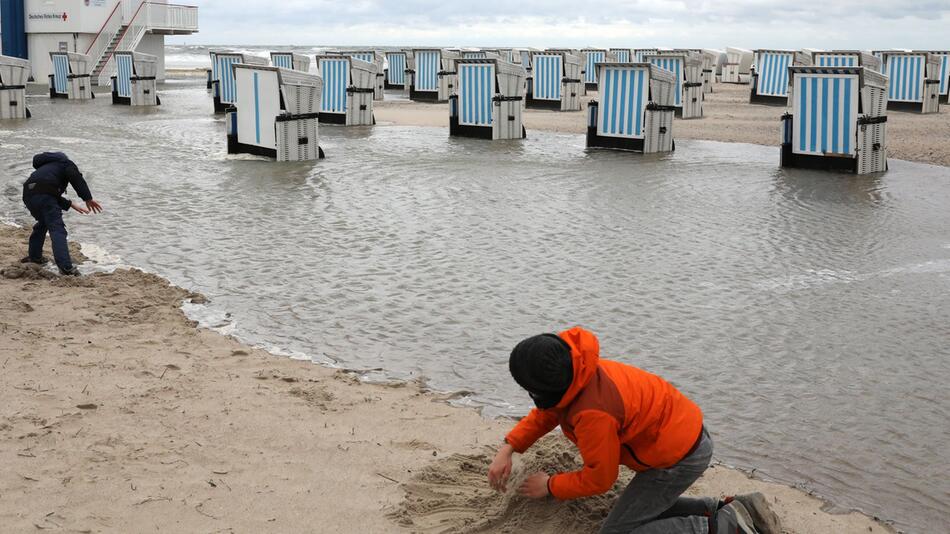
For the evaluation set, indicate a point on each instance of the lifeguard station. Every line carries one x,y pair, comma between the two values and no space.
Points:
71,76
838,119
555,81
489,100
687,68
770,77
634,110
396,66
223,85
738,64
290,61
134,81
348,88
275,113
915,81
14,73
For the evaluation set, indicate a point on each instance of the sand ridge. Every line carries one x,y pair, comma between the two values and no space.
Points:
117,414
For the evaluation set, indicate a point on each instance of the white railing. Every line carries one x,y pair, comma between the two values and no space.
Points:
172,17
150,16
106,33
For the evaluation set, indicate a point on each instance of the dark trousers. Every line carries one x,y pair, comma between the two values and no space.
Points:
49,218
653,502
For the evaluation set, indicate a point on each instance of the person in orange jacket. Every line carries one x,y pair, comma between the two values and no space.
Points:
618,414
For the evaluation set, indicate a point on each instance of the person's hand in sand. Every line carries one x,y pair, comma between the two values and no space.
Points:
500,468
535,486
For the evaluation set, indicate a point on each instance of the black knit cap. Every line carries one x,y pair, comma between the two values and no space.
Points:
542,365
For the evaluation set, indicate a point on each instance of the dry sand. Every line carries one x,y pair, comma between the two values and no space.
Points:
117,414
727,116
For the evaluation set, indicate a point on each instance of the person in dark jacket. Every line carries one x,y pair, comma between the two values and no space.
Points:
43,196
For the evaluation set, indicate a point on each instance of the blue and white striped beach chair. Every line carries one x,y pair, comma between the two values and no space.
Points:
71,76
134,83
687,69
621,55
290,61
943,56
593,56
489,99
738,64
634,110
274,113
914,81
837,121
223,85
396,70
422,74
770,78
555,81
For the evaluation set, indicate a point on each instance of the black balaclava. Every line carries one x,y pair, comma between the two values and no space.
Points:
542,365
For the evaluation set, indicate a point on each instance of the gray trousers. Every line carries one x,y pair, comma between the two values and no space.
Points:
652,502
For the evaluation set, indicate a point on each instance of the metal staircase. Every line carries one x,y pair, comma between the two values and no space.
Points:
107,54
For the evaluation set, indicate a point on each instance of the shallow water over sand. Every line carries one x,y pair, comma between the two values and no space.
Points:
807,313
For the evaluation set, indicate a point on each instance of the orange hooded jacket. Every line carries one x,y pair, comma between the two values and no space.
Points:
615,414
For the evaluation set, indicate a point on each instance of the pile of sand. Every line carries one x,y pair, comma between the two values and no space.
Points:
452,496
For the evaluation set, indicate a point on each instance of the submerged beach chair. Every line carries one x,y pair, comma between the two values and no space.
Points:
134,82
488,102
914,81
593,56
448,73
223,85
621,55
738,64
14,73
348,88
396,66
838,119
71,76
846,58
371,56
290,61
555,81
422,74
687,68
770,76
634,110
275,113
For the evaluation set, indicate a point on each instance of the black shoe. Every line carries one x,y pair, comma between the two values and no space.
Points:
39,261
71,272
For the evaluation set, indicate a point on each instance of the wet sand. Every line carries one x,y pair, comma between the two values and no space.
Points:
118,414
727,116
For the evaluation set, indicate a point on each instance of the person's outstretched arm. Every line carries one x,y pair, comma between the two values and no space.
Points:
82,188
523,435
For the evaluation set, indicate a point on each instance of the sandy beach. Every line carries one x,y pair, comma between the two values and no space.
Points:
120,415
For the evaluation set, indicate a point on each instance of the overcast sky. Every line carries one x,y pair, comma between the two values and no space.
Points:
867,24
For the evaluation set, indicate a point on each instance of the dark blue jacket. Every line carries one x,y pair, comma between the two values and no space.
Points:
54,171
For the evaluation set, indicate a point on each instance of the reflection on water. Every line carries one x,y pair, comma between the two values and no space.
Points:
806,312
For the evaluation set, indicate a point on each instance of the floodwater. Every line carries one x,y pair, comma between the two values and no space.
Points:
807,313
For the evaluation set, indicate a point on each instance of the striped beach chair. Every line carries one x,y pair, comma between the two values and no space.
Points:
489,100
846,58
944,73
223,85
593,56
640,54
275,113
290,61
422,74
448,73
555,81
134,83
738,64
837,121
914,81
14,73
71,76
371,56
621,55
634,110
348,88
687,69
770,77
396,70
